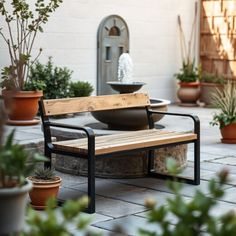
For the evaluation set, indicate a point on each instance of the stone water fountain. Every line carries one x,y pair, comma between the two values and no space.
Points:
125,165
132,118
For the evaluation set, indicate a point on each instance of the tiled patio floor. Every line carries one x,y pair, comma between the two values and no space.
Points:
121,201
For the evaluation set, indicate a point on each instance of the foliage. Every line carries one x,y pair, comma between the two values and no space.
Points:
22,24
225,100
15,163
188,73
80,89
45,174
194,216
51,224
56,79
210,78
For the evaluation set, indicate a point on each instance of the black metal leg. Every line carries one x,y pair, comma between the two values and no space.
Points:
91,183
48,154
197,162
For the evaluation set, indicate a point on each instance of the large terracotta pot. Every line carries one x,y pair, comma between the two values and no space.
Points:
22,106
188,93
229,134
42,191
207,89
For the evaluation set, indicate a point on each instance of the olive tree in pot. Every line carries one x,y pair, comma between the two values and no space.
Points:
22,24
45,186
225,100
15,164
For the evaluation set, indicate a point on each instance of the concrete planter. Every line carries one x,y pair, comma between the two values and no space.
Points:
12,207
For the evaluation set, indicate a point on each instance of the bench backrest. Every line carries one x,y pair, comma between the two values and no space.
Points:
93,103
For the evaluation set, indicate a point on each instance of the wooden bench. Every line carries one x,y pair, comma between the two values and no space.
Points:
93,147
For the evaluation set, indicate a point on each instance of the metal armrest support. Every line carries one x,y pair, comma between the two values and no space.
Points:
193,117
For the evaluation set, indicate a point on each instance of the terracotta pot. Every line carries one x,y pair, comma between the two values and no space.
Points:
207,89
22,106
188,93
42,191
229,134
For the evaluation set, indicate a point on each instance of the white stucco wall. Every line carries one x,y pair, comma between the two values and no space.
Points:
70,38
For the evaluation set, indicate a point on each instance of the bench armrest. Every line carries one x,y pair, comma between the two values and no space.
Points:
88,131
193,117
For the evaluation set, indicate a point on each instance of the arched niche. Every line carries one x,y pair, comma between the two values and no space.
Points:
112,41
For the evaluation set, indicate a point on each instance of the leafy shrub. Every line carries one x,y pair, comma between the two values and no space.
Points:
210,78
56,79
188,73
80,89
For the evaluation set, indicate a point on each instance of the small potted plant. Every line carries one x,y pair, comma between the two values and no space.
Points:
208,84
22,24
15,164
225,100
45,186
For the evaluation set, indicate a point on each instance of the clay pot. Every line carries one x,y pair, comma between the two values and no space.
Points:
21,106
207,89
229,134
42,191
188,93
12,207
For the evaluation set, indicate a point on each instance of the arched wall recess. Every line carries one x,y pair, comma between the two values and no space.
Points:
112,41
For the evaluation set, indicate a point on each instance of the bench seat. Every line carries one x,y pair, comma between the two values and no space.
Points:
125,141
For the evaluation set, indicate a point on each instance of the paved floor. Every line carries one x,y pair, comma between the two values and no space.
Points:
121,201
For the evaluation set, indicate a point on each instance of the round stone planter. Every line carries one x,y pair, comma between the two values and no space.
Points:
123,166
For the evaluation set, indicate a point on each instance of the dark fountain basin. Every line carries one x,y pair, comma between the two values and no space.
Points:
125,87
131,118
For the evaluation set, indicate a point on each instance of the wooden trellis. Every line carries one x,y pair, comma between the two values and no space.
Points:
218,37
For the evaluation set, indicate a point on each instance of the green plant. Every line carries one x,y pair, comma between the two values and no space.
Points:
22,26
15,163
80,89
44,174
225,100
51,224
210,78
192,217
56,79
188,73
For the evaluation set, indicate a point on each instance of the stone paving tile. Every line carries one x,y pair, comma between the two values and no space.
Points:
92,229
230,195
130,225
226,160
104,205
127,193
71,180
151,183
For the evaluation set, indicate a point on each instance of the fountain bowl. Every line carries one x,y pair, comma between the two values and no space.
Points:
130,118
125,87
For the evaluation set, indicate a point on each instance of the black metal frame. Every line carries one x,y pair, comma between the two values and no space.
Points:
49,149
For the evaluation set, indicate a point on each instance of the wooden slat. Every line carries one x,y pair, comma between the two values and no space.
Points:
125,141
94,103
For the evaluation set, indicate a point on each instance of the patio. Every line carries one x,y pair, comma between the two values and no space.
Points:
121,201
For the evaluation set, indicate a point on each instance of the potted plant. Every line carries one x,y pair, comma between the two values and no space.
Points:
189,91
45,186
22,25
14,166
208,85
225,100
